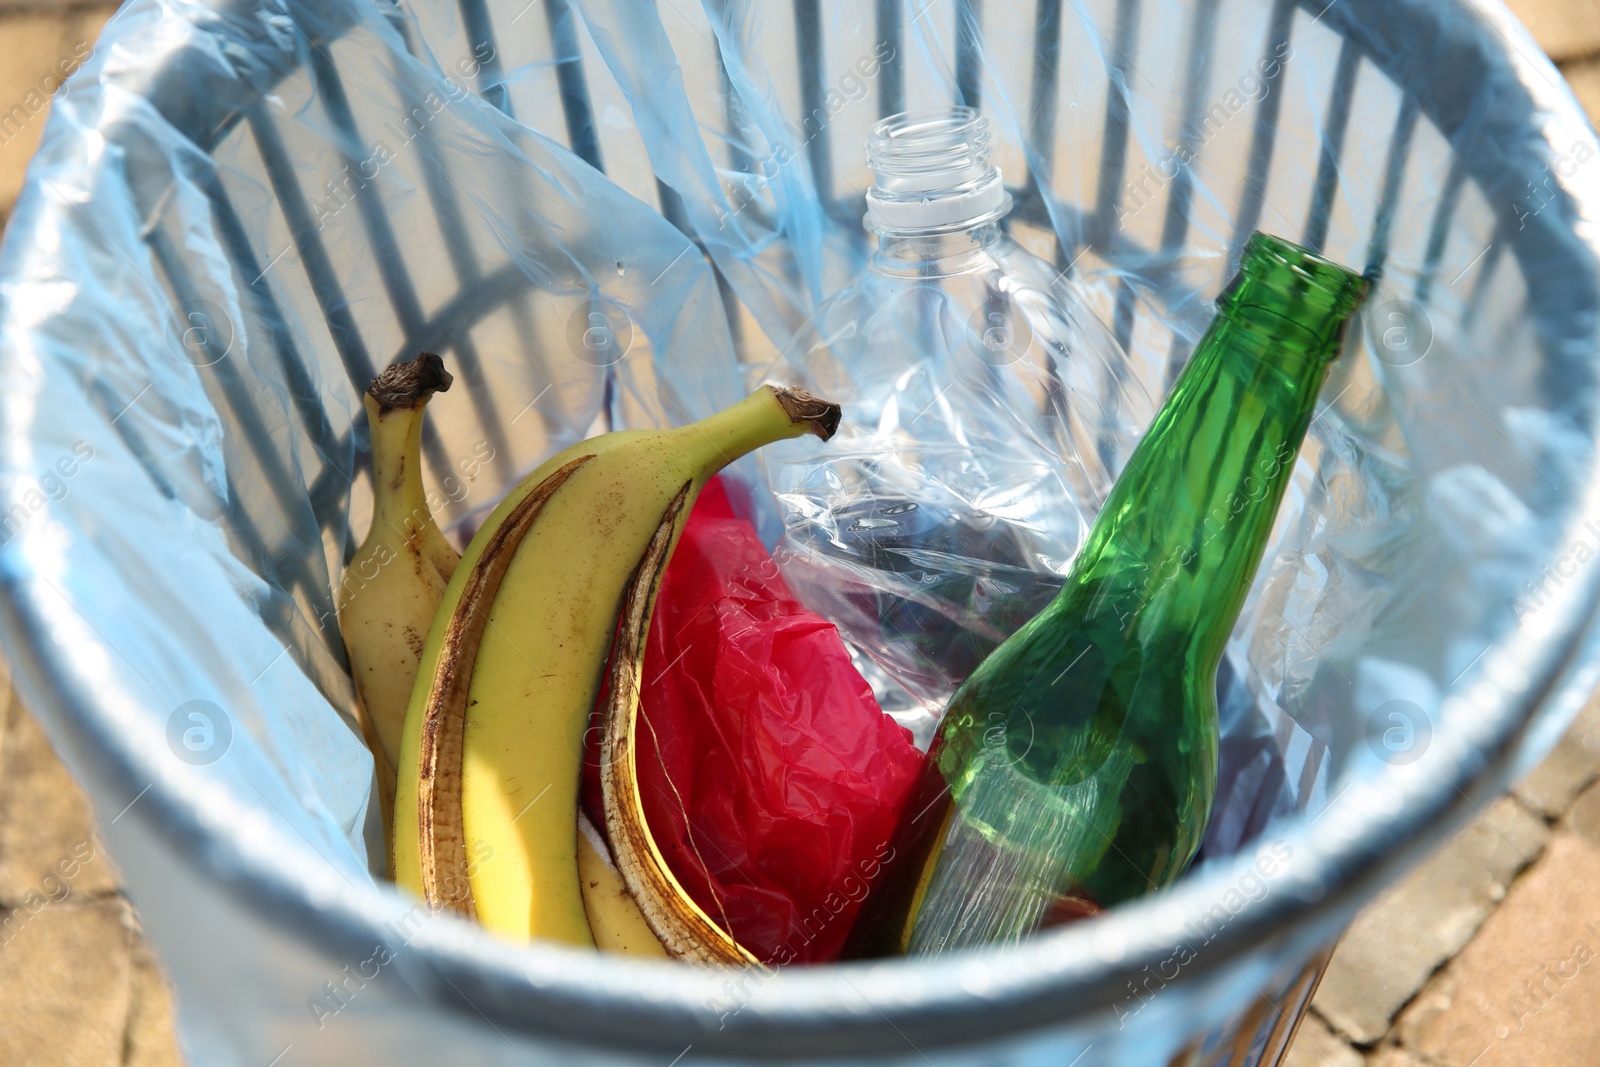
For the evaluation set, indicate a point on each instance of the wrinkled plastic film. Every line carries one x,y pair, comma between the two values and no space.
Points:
986,415
561,290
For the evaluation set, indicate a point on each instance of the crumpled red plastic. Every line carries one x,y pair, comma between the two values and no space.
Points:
771,779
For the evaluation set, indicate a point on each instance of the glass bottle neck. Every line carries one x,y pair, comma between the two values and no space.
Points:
1187,523
1281,303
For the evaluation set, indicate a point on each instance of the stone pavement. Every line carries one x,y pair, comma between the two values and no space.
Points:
1485,956
78,983
39,43
1482,956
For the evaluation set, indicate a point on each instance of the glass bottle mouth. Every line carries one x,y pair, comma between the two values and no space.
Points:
933,173
1292,271
1285,291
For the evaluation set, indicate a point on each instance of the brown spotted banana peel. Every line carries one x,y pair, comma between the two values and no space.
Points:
391,589
514,664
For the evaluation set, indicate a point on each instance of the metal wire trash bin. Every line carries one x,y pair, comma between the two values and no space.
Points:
207,189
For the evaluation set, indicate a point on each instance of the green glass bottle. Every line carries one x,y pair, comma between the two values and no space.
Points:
1076,767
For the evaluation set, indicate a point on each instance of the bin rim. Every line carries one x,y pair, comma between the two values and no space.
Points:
851,1009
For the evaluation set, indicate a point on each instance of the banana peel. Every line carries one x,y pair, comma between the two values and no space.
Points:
614,918
512,668
390,591
682,926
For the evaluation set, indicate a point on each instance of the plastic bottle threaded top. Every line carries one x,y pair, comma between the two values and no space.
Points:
933,173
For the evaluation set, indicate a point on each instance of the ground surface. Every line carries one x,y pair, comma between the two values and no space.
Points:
1484,957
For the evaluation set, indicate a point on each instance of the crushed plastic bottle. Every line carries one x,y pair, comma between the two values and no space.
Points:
987,412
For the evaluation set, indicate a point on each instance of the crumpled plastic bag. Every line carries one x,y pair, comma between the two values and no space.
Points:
771,779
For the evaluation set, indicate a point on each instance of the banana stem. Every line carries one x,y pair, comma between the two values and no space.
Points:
399,502
395,403
767,415
384,610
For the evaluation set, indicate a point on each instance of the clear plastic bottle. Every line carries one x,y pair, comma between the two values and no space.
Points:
987,412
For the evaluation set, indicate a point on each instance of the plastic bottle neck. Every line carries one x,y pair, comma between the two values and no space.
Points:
937,255
933,174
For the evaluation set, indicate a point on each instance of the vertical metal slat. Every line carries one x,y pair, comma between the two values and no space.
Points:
891,71
574,87
1197,76
813,110
286,489
444,200
733,112
1333,134
1265,135
1439,232
1175,226
1114,158
468,364
304,392
486,53
1042,101
1480,284
1114,137
305,232
386,255
1296,1003
1394,170
969,53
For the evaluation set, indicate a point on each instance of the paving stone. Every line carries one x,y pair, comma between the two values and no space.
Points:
83,25
1393,1056
7,697
1523,993
1585,81
40,47
1564,28
48,844
1575,762
60,9
31,43
1434,1000
1400,939
1583,818
64,981
151,1040
1317,1046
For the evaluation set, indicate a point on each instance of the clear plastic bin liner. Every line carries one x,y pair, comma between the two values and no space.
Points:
545,281
609,214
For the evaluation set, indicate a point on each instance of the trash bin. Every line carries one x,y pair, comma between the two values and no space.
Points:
609,213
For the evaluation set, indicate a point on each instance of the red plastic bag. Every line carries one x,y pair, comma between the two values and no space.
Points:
770,777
